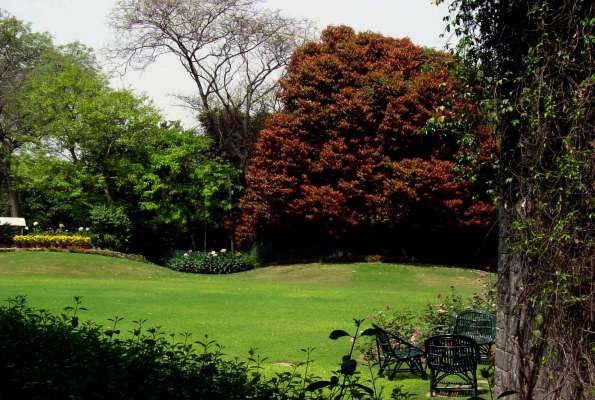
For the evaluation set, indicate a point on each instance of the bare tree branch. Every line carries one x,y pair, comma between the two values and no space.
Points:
234,50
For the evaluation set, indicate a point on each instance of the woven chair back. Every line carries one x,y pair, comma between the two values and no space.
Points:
478,325
453,354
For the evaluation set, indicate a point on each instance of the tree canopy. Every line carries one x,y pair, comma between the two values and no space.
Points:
105,158
20,52
375,131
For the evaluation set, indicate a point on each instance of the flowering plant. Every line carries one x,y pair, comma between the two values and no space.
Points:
436,318
210,263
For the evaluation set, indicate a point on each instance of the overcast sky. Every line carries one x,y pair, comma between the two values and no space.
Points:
86,21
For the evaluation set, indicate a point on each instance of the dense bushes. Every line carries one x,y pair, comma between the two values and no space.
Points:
212,263
48,357
44,356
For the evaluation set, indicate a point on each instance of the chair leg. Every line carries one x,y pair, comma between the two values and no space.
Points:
416,366
432,378
422,372
394,370
474,383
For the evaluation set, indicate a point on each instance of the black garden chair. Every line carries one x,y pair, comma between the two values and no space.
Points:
393,352
449,356
479,325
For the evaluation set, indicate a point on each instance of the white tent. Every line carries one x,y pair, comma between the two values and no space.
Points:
19,222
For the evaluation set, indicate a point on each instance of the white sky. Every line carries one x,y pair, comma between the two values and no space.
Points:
86,21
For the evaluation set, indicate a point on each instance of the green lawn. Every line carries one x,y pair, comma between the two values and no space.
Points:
278,309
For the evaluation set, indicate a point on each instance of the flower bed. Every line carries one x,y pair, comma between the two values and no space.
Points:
52,241
211,263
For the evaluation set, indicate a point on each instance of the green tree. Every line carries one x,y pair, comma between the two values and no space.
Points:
20,52
186,184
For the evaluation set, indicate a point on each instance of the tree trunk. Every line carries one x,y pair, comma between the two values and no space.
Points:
12,194
13,197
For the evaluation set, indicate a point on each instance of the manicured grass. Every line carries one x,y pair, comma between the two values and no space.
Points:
279,309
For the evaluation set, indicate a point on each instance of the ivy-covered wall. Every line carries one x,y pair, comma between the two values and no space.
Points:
536,60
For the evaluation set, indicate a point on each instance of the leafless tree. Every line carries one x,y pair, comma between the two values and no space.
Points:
234,50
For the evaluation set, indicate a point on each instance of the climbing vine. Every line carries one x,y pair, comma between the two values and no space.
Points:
536,60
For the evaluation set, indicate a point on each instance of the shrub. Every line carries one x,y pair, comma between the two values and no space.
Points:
7,232
111,227
213,263
45,356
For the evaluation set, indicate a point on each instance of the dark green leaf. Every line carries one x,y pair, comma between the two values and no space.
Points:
337,334
348,367
369,332
367,389
317,385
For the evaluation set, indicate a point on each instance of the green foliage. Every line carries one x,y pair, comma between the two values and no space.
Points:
110,227
252,261
109,148
70,358
8,232
21,51
212,263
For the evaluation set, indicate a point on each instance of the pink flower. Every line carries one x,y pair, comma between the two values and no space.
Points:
387,307
452,286
484,291
390,322
487,268
396,341
223,251
352,340
416,333
439,295
478,280
368,317
496,290
375,317
482,275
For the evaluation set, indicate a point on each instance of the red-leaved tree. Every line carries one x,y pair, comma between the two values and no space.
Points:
375,130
